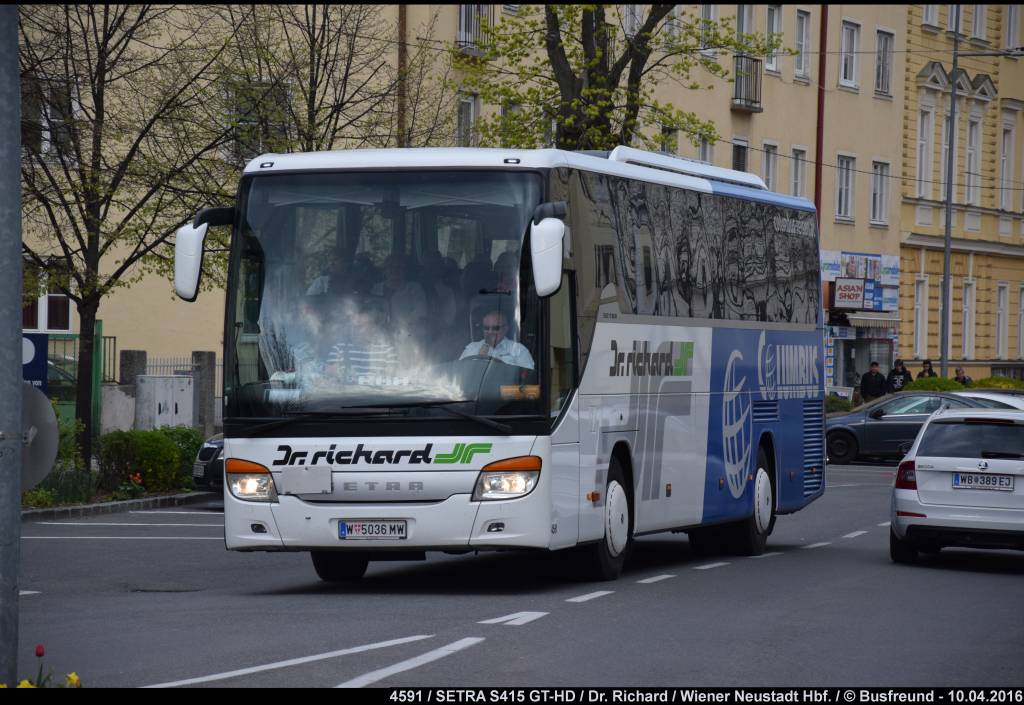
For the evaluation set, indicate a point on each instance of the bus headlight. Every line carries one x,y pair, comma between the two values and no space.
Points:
508,479
250,481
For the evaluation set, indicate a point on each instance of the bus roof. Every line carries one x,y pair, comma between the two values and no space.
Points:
622,161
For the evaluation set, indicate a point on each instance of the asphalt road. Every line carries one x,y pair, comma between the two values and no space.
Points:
152,598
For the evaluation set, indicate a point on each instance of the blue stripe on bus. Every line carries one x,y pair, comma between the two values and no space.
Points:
761,196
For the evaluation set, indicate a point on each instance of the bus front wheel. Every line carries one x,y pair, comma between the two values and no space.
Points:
604,560
335,567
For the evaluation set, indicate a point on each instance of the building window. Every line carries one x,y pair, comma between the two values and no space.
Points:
803,28
708,14
774,26
930,15
955,19
973,192
669,140
465,135
848,55
980,19
48,109
259,119
705,150
739,155
472,20
50,312
968,320
944,166
799,166
744,20
924,153
844,187
631,19
1002,296
921,318
770,165
1006,170
1012,15
879,192
510,9
1020,324
883,63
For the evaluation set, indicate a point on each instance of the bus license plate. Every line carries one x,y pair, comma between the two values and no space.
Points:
352,530
982,481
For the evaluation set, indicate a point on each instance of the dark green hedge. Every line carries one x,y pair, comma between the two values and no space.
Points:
163,457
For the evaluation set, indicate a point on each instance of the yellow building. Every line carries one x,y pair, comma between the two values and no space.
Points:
987,270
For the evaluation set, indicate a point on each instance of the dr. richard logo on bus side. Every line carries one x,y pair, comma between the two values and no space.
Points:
676,361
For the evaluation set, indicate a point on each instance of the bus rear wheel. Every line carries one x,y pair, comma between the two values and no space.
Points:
335,567
751,535
604,560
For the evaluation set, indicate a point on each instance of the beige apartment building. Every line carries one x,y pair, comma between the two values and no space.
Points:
823,123
986,295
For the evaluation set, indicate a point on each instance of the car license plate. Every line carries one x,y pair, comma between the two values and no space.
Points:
352,530
199,470
982,481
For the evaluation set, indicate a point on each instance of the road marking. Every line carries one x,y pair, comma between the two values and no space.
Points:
655,579
516,619
292,662
769,554
590,596
113,523
159,511
817,545
408,665
22,593
854,534
129,538
709,566
885,523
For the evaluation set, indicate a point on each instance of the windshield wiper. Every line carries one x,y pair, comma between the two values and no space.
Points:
1000,454
308,415
496,425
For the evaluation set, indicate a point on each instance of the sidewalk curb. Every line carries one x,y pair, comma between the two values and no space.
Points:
86,510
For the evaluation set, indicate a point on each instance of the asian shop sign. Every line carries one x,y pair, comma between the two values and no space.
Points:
870,281
849,293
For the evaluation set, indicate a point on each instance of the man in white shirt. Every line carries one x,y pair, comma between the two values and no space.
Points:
495,344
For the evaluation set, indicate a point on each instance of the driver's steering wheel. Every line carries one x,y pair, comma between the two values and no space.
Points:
489,358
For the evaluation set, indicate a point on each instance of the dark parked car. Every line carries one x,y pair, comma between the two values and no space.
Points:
886,427
208,470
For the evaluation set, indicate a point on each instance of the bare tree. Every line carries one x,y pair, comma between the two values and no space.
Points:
123,133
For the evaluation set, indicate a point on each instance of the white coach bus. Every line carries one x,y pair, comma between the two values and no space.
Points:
484,349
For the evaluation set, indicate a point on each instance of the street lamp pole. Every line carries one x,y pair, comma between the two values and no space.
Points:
948,245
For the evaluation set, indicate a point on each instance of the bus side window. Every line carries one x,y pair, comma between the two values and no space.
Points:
560,334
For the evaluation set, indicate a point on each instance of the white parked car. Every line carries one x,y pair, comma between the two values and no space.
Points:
961,484
995,400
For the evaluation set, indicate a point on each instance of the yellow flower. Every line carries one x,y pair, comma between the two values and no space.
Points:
73,681
26,684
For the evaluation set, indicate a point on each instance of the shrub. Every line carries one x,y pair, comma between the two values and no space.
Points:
151,453
70,481
834,403
188,441
997,383
38,497
933,384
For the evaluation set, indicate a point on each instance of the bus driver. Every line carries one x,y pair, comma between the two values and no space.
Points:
495,344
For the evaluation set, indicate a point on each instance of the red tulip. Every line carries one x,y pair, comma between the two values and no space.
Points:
40,651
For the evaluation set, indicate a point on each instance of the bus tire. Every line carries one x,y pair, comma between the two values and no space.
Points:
335,567
604,560
751,534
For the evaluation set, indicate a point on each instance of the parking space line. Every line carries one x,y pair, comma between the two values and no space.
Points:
23,593
293,662
854,534
113,523
817,545
409,664
163,511
769,554
885,523
655,579
709,566
590,596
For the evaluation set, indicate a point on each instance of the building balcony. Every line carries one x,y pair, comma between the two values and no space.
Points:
746,96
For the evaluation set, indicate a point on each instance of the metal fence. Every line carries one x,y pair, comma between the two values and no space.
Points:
63,352
170,366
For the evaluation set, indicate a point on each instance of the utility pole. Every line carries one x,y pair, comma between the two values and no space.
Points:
948,246
10,342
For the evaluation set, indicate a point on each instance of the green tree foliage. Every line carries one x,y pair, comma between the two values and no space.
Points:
933,384
582,68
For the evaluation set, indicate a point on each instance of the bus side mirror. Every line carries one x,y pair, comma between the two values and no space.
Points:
546,255
188,260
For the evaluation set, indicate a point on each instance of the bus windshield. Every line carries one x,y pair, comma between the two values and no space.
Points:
354,290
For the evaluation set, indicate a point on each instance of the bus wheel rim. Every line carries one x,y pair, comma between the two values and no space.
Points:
762,501
617,519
